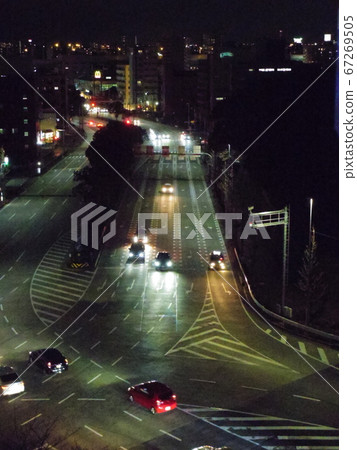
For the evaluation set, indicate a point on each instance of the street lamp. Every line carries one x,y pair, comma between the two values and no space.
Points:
310,223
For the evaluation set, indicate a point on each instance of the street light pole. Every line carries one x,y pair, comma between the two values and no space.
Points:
310,223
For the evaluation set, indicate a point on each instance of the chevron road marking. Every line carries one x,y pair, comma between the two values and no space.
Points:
207,338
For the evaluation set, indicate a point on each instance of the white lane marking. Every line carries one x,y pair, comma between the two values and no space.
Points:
150,330
49,378
122,379
131,348
6,319
26,281
161,317
66,398
98,365
74,349
129,288
20,345
225,289
92,399
268,330
92,317
93,431
18,259
171,435
13,290
77,331
93,346
72,362
132,415
30,420
322,354
1,307
2,276
28,201
113,329
13,399
302,347
116,361
100,288
11,217
93,379
307,398
13,329
190,290
126,317
203,381
53,215
254,388
33,215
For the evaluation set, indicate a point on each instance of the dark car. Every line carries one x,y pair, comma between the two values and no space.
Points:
82,257
153,395
137,251
49,360
163,261
216,260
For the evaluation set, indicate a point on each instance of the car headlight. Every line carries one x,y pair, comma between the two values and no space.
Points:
135,239
223,265
145,240
131,254
171,189
141,254
164,189
169,263
212,264
156,263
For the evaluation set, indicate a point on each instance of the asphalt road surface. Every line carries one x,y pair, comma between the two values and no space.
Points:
239,381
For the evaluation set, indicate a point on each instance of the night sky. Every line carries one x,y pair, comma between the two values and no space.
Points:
105,20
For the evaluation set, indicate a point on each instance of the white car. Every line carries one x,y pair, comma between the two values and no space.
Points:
10,382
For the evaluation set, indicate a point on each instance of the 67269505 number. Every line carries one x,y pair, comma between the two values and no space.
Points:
348,45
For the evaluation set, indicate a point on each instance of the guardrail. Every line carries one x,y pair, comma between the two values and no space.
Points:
285,322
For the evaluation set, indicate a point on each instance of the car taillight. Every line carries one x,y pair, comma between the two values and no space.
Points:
49,364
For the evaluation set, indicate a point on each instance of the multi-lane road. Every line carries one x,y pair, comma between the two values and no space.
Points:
239,381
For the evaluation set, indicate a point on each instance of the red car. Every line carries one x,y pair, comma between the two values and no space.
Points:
153,395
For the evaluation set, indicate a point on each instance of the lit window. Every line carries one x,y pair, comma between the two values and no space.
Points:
26,133
25,108
56,88
26,121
